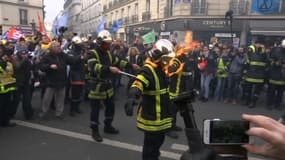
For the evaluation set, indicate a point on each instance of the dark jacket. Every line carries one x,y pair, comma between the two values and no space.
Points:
101,77
277,60
23,70
56,78
237,65
77,71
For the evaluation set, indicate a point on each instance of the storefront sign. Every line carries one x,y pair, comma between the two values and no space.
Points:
215,23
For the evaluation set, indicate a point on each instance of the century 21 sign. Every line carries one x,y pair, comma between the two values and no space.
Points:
214,22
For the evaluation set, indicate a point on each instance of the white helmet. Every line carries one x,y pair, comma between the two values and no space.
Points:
84,39
105,36
283,43
162,47
76,40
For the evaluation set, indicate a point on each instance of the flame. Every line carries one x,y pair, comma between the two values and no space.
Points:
188,46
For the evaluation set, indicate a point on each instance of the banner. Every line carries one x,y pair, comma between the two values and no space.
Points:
15,34
265,6
149,37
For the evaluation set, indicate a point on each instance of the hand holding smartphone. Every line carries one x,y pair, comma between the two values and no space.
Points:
225,132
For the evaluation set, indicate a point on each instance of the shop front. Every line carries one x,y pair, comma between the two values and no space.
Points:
202,29
270,31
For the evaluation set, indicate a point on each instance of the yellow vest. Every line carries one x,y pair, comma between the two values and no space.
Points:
7,81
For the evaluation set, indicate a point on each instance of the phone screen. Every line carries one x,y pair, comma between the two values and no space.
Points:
229,132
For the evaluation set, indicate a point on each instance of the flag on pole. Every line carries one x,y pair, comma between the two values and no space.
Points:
101,26
149,37
41,25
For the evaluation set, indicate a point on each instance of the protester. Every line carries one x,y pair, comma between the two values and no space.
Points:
54,65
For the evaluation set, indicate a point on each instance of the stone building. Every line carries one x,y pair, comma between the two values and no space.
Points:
22,14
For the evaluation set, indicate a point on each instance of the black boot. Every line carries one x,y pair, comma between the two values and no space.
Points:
77,109
110,129
72,109
172,134
96,135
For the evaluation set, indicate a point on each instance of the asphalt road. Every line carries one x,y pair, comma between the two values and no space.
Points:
69,139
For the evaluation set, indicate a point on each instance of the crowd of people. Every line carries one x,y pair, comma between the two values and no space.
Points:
78,68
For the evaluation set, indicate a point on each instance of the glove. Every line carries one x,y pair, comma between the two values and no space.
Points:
129,107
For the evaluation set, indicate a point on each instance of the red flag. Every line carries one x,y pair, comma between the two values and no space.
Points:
41,25
11,33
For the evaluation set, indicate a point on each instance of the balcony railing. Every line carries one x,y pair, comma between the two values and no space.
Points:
146,16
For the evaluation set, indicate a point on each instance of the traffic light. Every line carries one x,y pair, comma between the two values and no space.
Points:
1,30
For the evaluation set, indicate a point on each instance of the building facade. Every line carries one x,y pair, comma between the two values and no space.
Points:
205,18
22,14
73,9
90,16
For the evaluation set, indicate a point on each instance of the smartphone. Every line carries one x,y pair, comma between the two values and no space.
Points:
225,132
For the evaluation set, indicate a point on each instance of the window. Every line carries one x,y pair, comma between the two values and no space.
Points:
238,6
136,9
23,16
122,13
199,7
147,5
116,15
129,10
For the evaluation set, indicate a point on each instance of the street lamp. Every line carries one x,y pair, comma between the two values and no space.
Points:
229,18
33,24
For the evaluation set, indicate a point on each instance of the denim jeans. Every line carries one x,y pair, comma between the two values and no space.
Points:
219,92
233,90
205,84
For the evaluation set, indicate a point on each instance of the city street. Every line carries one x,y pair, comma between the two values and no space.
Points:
70,138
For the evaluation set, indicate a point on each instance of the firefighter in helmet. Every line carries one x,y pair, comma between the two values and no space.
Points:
154,115
102,67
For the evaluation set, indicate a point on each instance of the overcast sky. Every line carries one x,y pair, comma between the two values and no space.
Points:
53,7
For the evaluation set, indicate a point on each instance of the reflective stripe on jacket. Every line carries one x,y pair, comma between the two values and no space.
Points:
154,114
7,81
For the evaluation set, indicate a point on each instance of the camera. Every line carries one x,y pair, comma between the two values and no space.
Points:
225,132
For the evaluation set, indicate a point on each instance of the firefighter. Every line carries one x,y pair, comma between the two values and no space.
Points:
7,87
276,77
255,75
76,76
181,82
102,67
154,115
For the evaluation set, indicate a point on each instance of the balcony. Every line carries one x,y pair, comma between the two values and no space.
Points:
135,18
146,16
